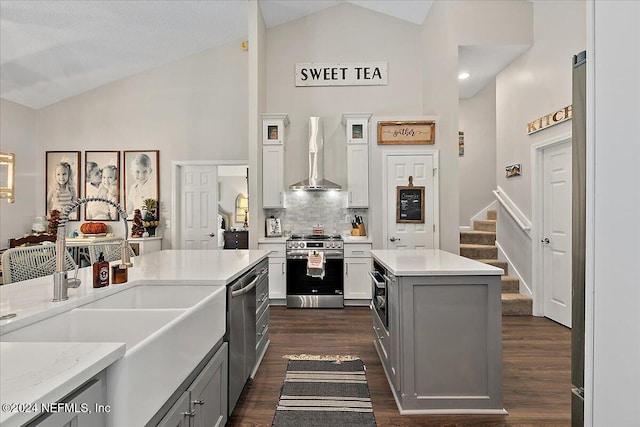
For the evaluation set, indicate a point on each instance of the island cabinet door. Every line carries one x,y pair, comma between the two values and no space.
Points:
451,342
178,415
209,393
393,306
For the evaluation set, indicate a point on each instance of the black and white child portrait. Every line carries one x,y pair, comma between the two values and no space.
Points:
102,179
62,181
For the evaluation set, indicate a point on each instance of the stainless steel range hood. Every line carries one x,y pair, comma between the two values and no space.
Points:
316,181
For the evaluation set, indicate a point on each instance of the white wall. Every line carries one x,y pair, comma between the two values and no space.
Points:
17,135
345,33
191,109
535,84
613,210
477,168
440,98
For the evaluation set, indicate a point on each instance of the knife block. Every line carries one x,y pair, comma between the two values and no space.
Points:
360,231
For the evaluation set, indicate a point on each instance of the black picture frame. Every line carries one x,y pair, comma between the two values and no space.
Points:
58,196
134,192
104,164
410,204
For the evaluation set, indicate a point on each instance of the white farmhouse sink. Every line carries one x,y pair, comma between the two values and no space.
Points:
154,296
167,329
95,326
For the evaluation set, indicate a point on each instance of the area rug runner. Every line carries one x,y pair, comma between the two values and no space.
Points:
324,393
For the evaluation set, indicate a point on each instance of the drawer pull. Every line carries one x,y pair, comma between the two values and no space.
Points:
189,414
198,402
263,297
358,252
262,331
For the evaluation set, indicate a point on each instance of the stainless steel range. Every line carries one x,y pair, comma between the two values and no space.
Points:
305,290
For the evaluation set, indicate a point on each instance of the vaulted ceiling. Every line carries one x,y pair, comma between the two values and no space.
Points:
52,50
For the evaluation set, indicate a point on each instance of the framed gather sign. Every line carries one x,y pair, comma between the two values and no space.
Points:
407,132
410,203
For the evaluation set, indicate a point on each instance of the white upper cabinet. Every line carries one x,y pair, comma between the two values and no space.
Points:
357,127
273,125
273,159
357,131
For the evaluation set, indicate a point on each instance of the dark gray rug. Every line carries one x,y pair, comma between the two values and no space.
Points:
324,393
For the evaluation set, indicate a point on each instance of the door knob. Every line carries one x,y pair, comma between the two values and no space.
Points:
393,239
546,241
211,234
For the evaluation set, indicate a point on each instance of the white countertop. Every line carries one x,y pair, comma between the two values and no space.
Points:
272,240
31,299
357,239
46,372
431,262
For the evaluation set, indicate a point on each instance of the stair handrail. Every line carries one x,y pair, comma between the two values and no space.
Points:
501,196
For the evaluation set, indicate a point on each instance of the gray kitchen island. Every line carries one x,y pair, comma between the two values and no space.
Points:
437,318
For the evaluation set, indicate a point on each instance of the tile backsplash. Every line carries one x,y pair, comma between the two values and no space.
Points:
304,209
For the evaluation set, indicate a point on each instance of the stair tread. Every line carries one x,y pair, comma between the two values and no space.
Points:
489,260
507,277
515,297
482,232
475,245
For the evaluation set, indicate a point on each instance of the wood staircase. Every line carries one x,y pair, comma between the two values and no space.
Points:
480,244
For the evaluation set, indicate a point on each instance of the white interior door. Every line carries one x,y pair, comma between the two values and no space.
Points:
422,168
199,208
556,236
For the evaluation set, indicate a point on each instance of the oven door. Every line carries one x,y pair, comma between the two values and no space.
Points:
379,292
299,283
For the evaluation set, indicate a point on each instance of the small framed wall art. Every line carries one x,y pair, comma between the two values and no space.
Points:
62,181
102,179
407,132
513,170
274,228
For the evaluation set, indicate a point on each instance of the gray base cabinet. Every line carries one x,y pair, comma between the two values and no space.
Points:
204,403
84,408
442,350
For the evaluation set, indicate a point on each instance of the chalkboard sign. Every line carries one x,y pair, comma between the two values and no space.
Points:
410,204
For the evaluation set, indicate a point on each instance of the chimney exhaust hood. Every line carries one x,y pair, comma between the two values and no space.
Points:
316,181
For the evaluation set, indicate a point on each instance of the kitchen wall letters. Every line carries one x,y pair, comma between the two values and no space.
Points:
341,74
552,119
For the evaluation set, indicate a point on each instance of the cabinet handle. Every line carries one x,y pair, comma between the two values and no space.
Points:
282,265
198,402
347,272
350,196
261,333
190,414
357,252
262,298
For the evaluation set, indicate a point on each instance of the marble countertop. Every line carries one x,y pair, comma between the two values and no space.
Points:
272,240
357,239
431,262
346,239
31,299
46,372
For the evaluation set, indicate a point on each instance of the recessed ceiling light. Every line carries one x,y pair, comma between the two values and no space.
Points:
463,75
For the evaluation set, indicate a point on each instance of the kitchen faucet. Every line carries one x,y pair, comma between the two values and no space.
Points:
60,281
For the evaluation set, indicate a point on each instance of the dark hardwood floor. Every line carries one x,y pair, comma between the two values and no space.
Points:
536,369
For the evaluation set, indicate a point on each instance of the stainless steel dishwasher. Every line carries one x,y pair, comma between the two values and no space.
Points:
241,328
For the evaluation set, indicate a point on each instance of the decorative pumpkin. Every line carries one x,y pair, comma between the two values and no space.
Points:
93,228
